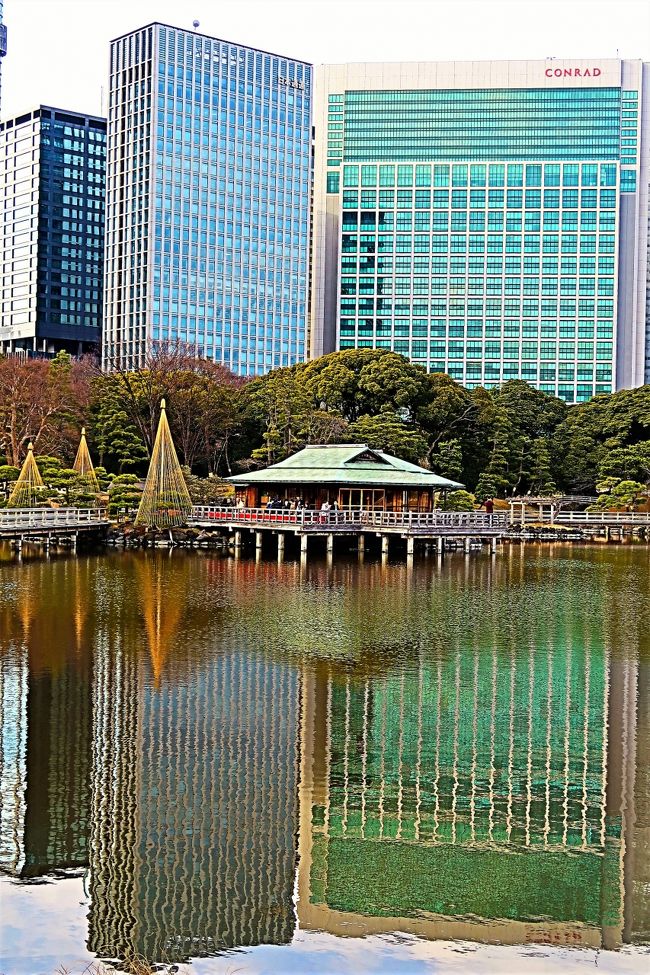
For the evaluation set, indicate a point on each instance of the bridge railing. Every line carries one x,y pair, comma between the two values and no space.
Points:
12,519
306,518
603,517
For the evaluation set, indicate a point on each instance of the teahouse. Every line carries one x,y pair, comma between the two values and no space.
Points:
354,475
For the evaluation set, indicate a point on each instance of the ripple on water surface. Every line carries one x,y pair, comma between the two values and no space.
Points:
339,767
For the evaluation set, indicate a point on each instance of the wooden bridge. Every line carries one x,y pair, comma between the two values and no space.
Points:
441,526
47,524
538,513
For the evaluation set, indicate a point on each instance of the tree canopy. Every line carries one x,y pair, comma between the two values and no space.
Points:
510,440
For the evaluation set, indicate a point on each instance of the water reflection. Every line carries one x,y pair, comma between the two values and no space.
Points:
457,751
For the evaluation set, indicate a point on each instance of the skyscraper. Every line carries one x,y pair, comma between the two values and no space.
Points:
52,185
3,45
209,169
486,219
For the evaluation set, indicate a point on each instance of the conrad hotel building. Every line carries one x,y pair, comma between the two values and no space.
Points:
486,219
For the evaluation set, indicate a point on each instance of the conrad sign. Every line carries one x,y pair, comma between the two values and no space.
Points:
573,72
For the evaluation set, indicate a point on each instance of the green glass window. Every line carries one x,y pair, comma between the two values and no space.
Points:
332,182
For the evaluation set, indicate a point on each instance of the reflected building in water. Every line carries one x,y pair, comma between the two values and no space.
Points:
488,794
195,789
45,734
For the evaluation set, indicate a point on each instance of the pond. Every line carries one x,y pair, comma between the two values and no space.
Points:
327,767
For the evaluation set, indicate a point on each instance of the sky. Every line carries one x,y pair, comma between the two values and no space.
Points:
58,49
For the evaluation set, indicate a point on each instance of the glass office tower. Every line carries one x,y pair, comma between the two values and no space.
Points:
52,187
486,219
209,170
3,45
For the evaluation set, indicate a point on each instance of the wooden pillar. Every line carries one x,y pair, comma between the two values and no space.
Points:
280,546
410,546
493,545
467,545
384,544
440,544
237,539
74,541
303,544
330,544
361,546
258,540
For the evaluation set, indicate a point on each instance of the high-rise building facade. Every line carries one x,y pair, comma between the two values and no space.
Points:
209,179
486,219
3,44
52,187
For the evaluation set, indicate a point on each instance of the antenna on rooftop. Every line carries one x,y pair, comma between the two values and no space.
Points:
196,24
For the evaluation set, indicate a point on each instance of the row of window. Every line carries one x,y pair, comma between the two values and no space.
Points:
491,175
493,286
460,266
550,220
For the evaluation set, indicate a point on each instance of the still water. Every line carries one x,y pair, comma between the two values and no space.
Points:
327,768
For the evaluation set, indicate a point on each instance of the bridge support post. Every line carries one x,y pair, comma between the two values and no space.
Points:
467,545
280,546
440,545
258,540
330,544
384,544
237,539
493,546
303,544
607,533
410,546
361,546
74,541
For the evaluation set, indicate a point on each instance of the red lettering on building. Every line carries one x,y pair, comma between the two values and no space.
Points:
573,72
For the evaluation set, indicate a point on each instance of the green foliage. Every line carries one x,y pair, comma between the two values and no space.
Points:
588,442
457,501
208,490
8,474
124,494
386,432
448,459
497,442
118,440
616,494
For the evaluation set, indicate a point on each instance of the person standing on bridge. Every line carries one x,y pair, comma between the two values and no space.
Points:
489,509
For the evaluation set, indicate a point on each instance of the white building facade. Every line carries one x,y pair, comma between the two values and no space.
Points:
486,219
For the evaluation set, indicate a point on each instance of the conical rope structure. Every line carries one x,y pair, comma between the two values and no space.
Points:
165,501
27,489
83,465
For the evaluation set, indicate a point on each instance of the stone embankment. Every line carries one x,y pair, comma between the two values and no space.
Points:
128,536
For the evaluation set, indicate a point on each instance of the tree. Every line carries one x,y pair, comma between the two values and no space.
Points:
448,459
458,501
629,462
124,494
616,494
8,476
586,442
386,432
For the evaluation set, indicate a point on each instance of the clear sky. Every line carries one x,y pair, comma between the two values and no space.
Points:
58,49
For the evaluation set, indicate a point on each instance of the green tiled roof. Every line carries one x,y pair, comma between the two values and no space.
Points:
354,464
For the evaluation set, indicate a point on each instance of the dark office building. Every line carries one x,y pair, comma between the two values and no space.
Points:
52,184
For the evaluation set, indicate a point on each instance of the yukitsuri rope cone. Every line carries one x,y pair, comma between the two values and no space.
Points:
165,501
26,492
83,465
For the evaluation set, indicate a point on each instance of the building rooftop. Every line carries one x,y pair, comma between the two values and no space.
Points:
354,464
